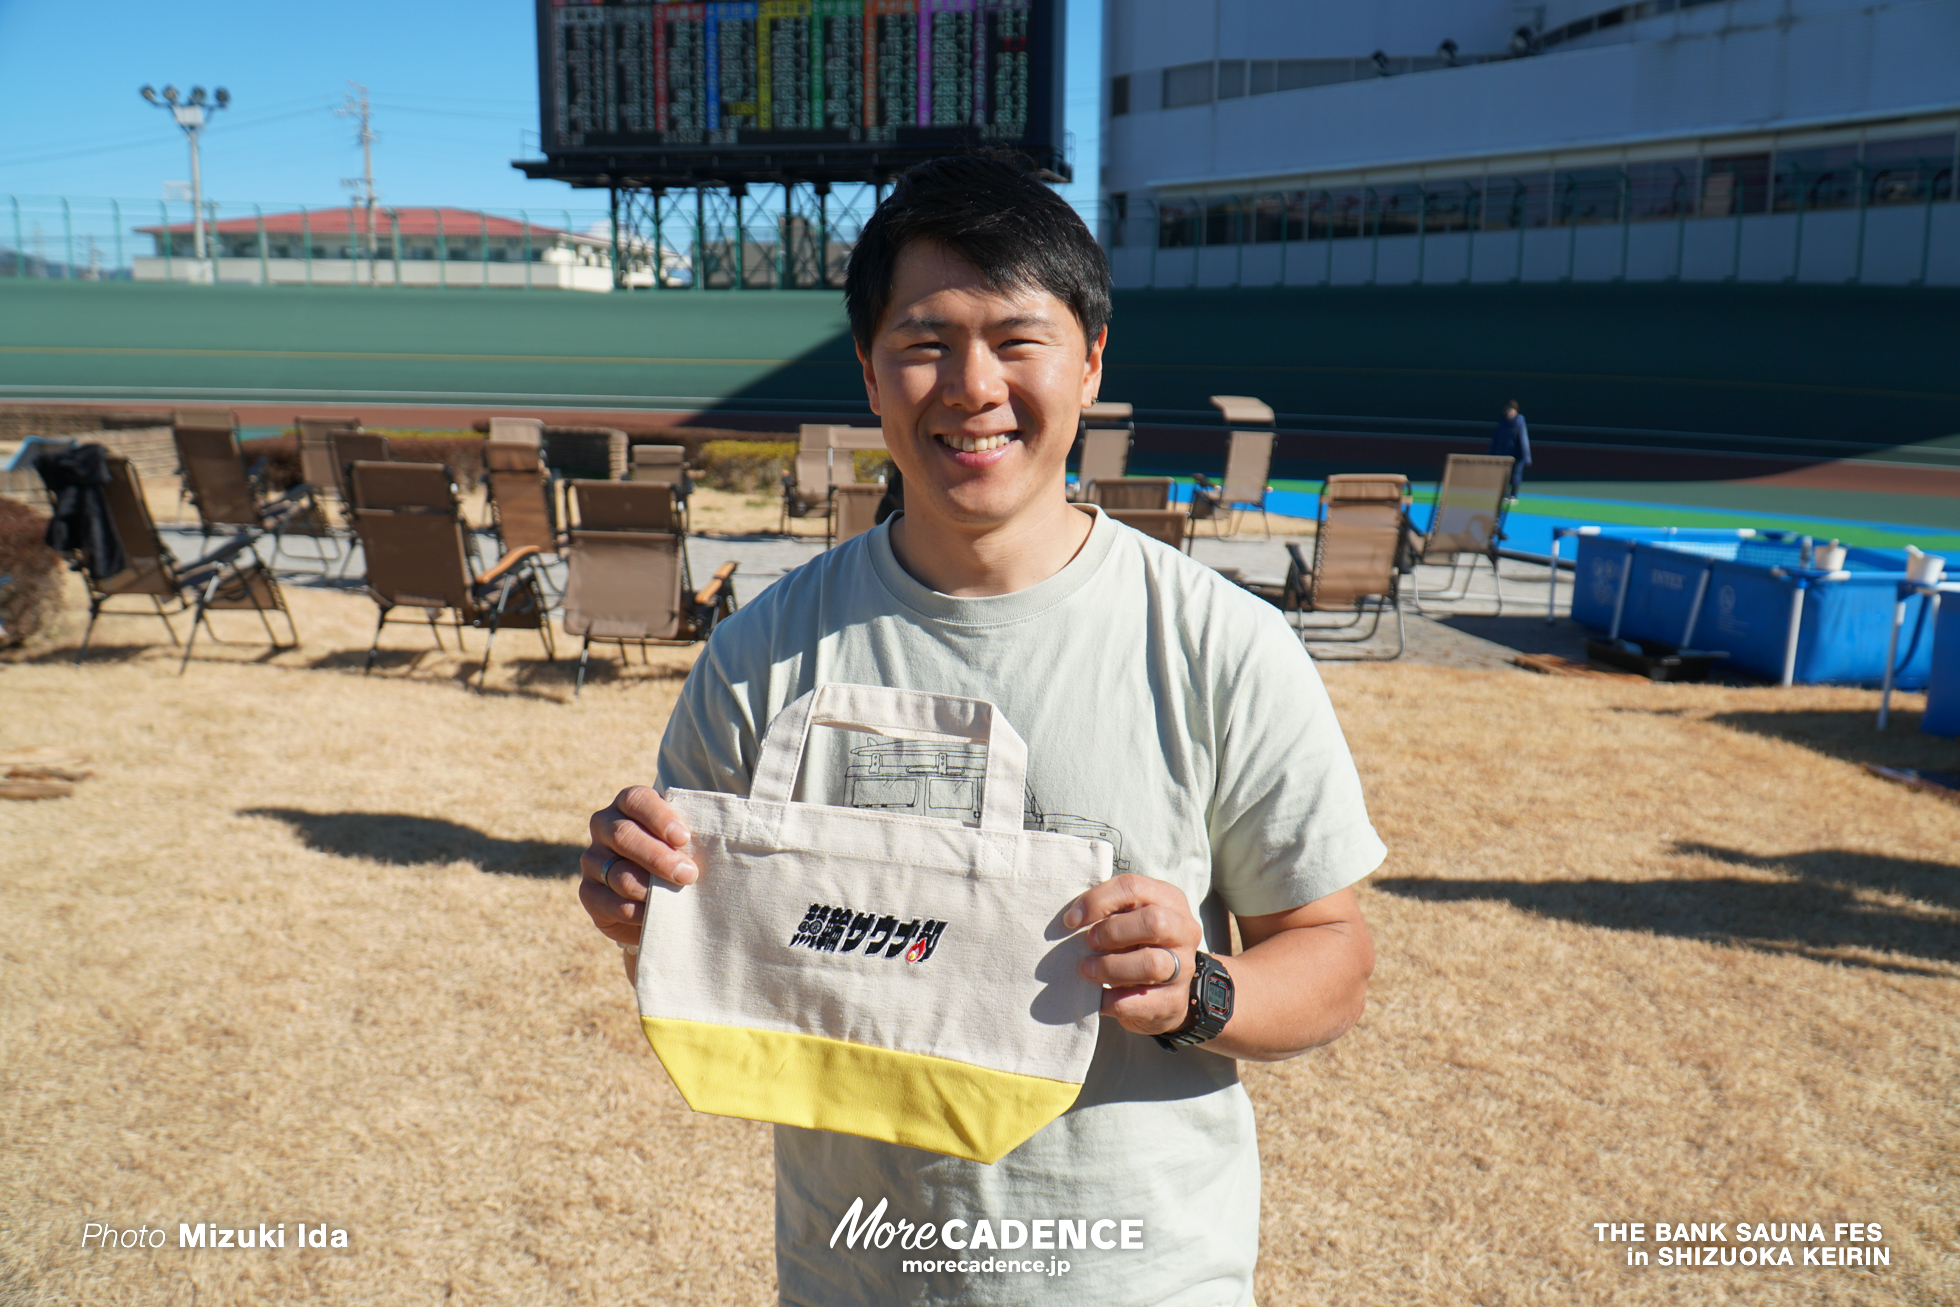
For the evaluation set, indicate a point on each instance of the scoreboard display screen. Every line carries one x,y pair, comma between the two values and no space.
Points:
809,87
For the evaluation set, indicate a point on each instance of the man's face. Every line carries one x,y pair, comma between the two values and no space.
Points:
980,390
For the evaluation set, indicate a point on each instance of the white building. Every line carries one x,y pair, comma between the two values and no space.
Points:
1302,142
403,247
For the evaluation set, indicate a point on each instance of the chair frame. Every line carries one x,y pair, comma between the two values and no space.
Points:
195,587
1303,583
833,522
516,570
272,516
1422,546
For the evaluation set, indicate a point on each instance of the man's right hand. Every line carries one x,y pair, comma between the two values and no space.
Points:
637,837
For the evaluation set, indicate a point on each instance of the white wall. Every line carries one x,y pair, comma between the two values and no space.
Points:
1737,66
382,272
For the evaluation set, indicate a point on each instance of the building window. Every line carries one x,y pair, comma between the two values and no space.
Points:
1587,195
1662,189
1119,95
1513,202
1910,171
1336,215
1453,205
1808,180
1177,224
1187,84
1735,184
1264,78
1231,79
1119,219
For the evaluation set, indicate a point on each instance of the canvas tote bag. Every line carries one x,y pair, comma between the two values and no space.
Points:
901,977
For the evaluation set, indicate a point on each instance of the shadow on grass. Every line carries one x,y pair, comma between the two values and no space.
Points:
401,840
100,653
1827,905
1853,735
542,679
1522,632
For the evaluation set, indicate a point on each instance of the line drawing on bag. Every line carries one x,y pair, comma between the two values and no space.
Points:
945,781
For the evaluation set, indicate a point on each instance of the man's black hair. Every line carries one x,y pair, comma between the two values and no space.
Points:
996,216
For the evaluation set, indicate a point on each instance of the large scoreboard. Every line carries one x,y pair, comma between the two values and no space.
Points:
678,92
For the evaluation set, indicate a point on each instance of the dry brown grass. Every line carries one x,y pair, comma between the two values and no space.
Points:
306,949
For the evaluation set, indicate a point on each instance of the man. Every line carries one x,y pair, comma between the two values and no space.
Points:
1511,441
1163,708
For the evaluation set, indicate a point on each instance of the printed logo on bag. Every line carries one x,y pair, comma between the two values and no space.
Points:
842,930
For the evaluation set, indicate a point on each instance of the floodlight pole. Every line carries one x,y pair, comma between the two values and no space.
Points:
190,115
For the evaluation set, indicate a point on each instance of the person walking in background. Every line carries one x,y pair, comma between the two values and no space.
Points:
1509,440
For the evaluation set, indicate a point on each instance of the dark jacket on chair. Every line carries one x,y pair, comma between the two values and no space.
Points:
77,480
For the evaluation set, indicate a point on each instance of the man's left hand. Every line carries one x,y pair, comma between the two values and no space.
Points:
1146,941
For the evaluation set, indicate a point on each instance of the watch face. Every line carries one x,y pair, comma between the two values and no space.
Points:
1217,996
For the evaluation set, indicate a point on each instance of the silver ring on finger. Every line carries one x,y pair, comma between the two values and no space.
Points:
605,872
1177,967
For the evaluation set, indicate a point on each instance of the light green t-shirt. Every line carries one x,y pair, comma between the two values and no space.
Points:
1165,710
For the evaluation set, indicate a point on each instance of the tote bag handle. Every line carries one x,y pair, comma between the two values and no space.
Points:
899,715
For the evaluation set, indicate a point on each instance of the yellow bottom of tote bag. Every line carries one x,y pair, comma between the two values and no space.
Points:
897,977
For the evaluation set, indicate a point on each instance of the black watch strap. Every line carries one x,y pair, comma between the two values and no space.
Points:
1210,1005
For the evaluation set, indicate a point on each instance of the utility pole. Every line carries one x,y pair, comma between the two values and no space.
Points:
356,107
190,116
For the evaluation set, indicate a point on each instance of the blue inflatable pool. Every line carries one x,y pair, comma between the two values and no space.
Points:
1752,595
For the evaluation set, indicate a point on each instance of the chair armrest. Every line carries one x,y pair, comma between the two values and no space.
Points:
508,561
225,552
711,592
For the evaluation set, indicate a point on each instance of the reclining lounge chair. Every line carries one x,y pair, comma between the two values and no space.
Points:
628,580
1356,561
413,533
229,499
103,524
1468,519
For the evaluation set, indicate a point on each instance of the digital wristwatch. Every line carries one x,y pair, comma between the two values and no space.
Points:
1211,1006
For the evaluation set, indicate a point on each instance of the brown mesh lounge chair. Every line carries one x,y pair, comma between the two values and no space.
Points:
853,510
1247,465
522,507
517,431
232,576
1131,493
227,499
632,587
1105,438
1468,520
1169,525
665,465
354,447
316,451
1356,560
623,506
413,534
806,487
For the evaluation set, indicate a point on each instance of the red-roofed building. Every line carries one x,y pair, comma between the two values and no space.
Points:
406,247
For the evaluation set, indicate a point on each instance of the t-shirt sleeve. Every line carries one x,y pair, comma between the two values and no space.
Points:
1288,822
712,740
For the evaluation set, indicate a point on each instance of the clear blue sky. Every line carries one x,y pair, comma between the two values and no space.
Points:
453,84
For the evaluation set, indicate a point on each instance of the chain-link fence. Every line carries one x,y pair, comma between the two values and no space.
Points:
796,236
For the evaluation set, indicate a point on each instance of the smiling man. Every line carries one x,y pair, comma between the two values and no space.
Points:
1165,711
